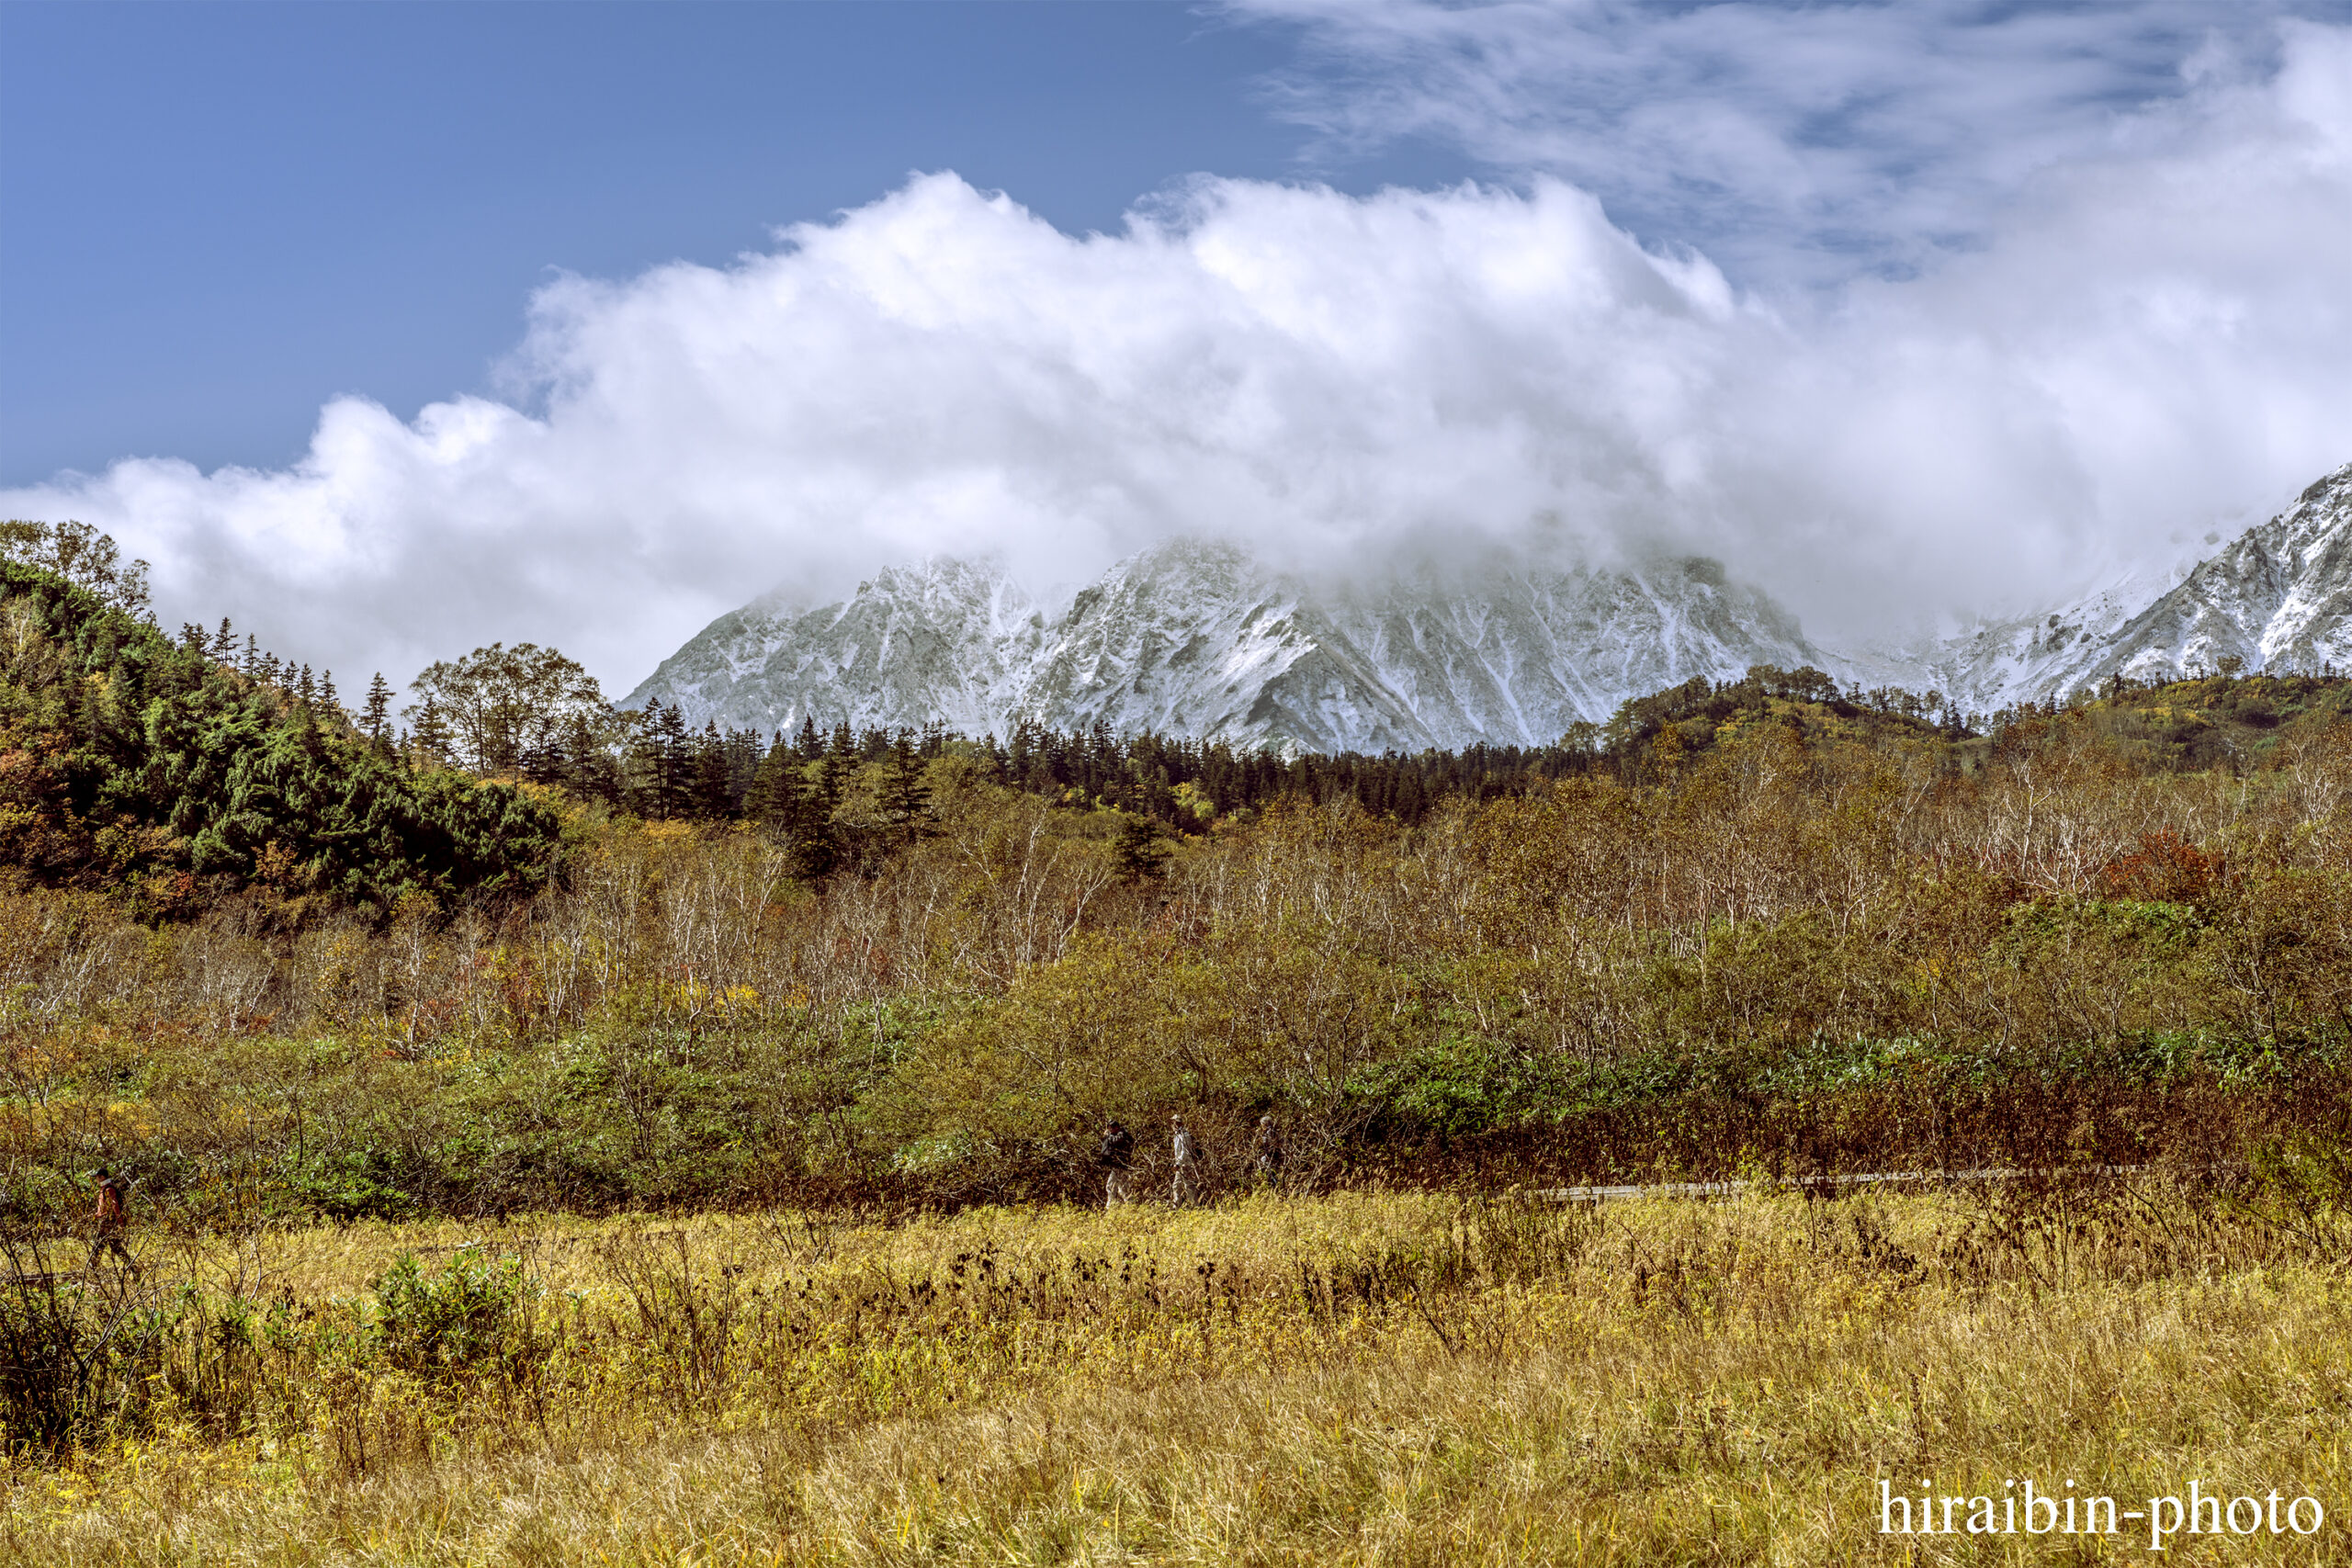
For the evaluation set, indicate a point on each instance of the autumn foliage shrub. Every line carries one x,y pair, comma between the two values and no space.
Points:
1810,943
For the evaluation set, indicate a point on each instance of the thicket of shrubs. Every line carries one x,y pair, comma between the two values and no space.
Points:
143,769
281,962
153,1349
1811,945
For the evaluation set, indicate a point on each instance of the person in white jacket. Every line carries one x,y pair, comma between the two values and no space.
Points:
1184,1151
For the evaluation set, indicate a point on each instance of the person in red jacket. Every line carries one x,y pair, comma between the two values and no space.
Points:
113,1217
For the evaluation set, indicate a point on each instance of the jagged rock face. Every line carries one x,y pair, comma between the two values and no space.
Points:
946,641
2279,597
1999,662
1197,640
1513,654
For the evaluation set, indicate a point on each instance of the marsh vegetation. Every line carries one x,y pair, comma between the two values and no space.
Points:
520,1177
1361,1378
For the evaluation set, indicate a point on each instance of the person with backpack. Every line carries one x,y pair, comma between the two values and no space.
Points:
113,1216
1189,1159
1116,1155
1266,1154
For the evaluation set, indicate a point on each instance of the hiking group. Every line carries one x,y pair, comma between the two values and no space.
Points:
1187,1159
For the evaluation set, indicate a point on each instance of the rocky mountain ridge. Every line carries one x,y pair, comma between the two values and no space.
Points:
1197,640
2277,597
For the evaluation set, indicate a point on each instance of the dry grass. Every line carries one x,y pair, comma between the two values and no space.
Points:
1361,1379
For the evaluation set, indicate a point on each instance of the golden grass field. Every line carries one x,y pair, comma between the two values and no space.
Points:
1354,1379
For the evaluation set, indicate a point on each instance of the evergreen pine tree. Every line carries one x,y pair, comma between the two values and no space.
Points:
743,754
224,642
547,761
669,747
1026,733
430,738
377,721
327,698
640,767
774,793
803,798
815,800
591,769
711,785
790,808
1141,853
905,793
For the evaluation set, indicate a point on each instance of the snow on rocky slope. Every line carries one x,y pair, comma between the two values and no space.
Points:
945,640
1197,640
1993,663
1512,651
2279,597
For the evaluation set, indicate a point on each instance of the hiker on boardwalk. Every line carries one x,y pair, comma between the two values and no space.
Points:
1186,1157
113,1215
1116,1154
1266,1154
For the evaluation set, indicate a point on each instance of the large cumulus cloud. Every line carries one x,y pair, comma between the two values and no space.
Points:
2147,341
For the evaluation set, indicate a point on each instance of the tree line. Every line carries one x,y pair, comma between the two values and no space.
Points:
840,798
237,752
171,773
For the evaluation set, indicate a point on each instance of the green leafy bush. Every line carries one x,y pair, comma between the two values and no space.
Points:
473,1321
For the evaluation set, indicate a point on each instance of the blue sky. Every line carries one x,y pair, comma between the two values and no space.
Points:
214,217
391,329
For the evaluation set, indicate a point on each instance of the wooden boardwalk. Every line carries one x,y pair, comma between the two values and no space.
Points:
1816,1183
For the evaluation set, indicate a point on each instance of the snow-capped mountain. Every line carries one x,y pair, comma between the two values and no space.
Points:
946,640
1198,639
1507,650
2278,597
1195,639
1993,663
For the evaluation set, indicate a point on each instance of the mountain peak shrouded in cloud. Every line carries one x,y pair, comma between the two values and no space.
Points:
1198,638
1497,646
2142,341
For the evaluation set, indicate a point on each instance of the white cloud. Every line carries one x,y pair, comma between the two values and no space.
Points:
1792,141
2150,335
